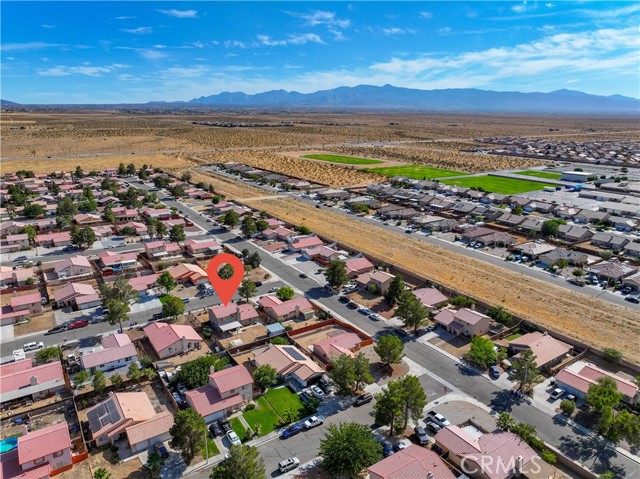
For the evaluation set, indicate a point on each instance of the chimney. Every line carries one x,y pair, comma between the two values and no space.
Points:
33,380
429,475
297,310
519,465
238,312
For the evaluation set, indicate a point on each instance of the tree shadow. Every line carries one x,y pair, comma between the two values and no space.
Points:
585,448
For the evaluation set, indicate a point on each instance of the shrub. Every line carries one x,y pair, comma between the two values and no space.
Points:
567,407
250,407
207,332
612,355
548,456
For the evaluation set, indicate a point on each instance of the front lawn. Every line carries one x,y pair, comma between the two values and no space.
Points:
540,174
497,184
213,449
264,416
238,427
347,160
513,336
164,298
282,399
417,172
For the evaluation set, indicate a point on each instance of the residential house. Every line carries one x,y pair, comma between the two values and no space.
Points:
342,343
552,257
431,298
205,248
495,198
277,310
566,212
547,349
533,251
577,378
30,303
591,216
17,242
283,234
103,231
301,244
170,339
611,270
623,224
466,322
401,214
21,379
87,219
409,463
143,283
496,239
497,455
609,241
531,225
117,417
573,234
226,392
632,281
321,254
621,209
632,250
333,194
75,266
188,273
375,281
159,214
11,227
126,215
139,228
159,250
511,220
77,296
117,351
540,207
292,365
116,261
232,316
474,232
358,266
54,239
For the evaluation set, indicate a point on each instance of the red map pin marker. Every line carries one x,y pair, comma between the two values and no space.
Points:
225,288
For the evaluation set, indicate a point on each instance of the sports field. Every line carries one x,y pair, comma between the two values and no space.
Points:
348,160
497,184
417,172
540,174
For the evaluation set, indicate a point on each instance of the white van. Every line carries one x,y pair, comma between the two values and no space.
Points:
33,346
288,464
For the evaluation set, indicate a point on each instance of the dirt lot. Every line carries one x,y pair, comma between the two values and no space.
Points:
582,317
109,460
35,324
374,302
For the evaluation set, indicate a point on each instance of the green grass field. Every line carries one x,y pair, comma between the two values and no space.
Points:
540,174
264,416
213,449
239,428
417,172
497,184
513,336
282,399
347,160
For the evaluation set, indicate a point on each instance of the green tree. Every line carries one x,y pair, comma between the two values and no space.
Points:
390,348
248,226
118,311
528,434
244,462
247,289
262,225
63,222
122,170
342,374
411,311
348,449
195,374
176,234
505,421
80,378
154,464
226,271
99,382
285,293
161,229
149,373
388,408
336,274
265,376
612,355
33,210
188,433
525,369
289,415
254,260
482,352
303,230
568,407
131,169
134,372
395,290
412,398
603,395
462,301
11,210
231,218
47,355
119,289
166,280
498,314
30,231
128,231
82,236
552,227
562,263
578,273
279,340
173,307
362,370
116,381
517,210
101,473
66,207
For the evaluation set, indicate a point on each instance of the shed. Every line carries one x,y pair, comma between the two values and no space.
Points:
275,329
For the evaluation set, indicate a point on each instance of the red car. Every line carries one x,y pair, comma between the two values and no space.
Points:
79,324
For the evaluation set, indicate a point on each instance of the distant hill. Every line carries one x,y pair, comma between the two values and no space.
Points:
8,103
469,100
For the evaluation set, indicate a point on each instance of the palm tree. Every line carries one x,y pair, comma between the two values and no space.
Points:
154,464
101,474
505,421
289,415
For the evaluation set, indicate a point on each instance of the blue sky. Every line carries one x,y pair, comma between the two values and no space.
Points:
111,52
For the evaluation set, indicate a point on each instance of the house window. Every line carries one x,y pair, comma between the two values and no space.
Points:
188,345
40,460
58,454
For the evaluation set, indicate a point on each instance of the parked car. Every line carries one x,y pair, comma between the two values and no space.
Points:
557,393
401,444
34,346
258,284
303,275
570,397
233,438
343,299
20,258
56,329
494,372
438,419
363,399
224,423
433,427
387,448
81,323
313,421
375,317
292,431
288,464
352,305
421,434
162,450
632,299
317,392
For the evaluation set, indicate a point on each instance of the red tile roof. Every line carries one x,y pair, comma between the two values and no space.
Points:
543,346
162,335
207,400
339,344
412,462
589,375
430,296
285,308
307,242
43,442
73,290
14,367
230,378
110,353
26,299
153,427
10,468
356,265
45,373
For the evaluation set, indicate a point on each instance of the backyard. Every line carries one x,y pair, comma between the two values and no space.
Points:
417,172
348,160
540,174
497,184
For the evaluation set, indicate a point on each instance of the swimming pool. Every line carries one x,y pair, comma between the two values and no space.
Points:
8,444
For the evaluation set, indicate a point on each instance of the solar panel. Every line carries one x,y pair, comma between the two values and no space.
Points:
95,417
294,353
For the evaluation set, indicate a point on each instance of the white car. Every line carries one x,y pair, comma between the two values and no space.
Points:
33,346
439,419
313,421
233,438
557,393
317,392
288,464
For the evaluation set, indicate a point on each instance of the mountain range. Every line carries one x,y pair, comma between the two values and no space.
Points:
392,97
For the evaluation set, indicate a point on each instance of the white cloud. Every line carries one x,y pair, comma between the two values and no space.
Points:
235,44
520,8
393,31
322,18
549,5
86,70
426,15
297,39
28,46
124,17
444,30
180,13
47,26
139,30
151,54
